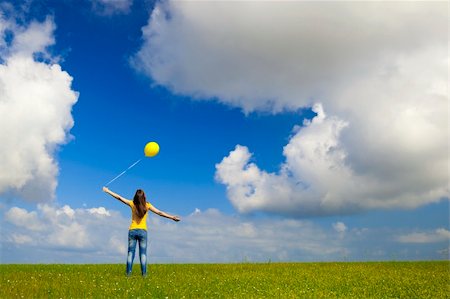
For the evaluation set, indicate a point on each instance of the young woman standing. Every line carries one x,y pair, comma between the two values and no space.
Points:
137,232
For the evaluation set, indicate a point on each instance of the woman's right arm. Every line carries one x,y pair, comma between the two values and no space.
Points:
117,196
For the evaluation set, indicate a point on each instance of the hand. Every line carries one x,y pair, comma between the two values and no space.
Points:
105,189
176,218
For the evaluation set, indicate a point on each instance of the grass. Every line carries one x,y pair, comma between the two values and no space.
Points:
271,280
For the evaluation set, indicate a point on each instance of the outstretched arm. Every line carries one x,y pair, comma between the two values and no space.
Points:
117,196
163,214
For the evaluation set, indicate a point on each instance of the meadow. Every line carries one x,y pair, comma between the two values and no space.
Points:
245,280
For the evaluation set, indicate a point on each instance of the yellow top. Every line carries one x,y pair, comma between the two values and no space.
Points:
136,222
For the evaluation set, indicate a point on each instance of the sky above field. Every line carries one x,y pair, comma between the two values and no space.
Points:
288,131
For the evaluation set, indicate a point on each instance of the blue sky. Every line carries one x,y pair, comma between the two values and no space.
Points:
277,142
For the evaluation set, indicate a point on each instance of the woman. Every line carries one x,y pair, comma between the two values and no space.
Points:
138,228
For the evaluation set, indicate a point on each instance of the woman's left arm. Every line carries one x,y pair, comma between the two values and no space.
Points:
163,214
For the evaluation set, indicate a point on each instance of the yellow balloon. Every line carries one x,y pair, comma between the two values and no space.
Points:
151,149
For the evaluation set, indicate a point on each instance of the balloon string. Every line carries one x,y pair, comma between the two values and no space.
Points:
132,165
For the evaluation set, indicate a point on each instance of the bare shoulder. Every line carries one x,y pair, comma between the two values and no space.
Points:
152,208
127,201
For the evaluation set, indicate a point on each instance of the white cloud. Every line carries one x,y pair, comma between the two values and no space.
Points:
379,70
67,211
211,236
72,236
438,235
36,100
340,227
199,237
21,218
101,211
34,38
118,244
258,55
110,7
21,239
202,236
317,177
65,228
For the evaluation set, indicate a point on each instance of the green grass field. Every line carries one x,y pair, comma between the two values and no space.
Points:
271,280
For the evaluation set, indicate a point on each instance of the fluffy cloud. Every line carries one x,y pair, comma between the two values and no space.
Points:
36,100
64,232
101,211
280,55
211,236
318,177
85,235
65,229
378,70
22,218
438,235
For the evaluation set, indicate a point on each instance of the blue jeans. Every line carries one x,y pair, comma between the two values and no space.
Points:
137,235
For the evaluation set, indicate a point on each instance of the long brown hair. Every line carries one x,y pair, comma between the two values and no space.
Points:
140,203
